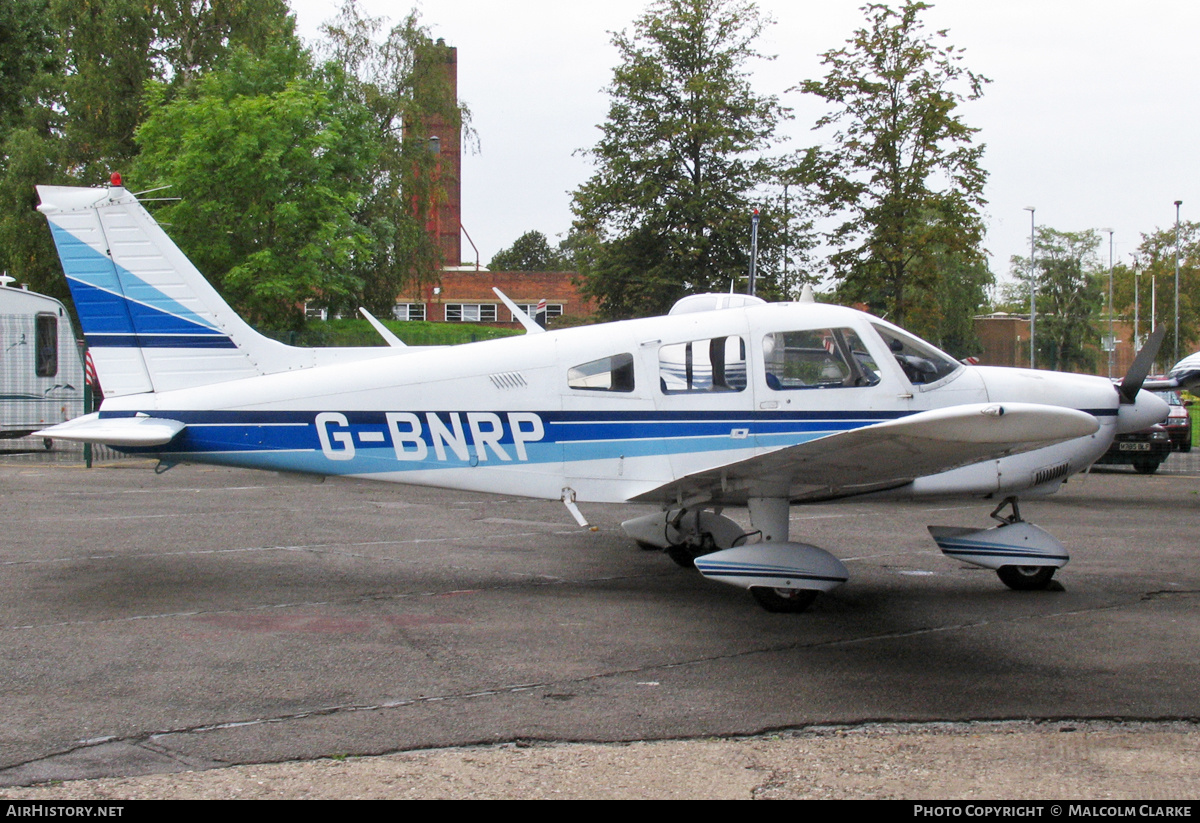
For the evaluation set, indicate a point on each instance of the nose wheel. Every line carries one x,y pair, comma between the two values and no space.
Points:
784,601
1026,578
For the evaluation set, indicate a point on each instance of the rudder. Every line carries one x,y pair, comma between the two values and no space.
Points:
152,322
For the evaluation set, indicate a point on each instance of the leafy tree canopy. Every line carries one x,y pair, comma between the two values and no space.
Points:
901,173
531,252
668,208
1153,272
270,164
73,75
400,80
1070,294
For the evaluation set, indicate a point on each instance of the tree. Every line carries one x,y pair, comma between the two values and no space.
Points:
271,165
402,84
901,175
31,63
73,75
1070,296
668,208
530,252
1156,256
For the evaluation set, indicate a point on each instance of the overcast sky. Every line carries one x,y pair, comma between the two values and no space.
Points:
1092,116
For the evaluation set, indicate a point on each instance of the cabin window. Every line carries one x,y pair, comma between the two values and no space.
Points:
409,311
714,365
817,359
47,345
470,312
921,362
614,373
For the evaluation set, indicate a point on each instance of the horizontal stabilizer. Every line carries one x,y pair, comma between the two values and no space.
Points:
116,431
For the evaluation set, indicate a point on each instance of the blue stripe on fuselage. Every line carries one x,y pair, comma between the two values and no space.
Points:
290,440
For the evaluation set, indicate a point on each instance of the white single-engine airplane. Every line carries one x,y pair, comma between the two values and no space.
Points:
727,401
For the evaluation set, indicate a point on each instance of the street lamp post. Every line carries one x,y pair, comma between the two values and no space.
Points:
1112,340
1178,203
1137,286
1032,291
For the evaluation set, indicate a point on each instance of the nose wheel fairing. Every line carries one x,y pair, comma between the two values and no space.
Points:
1024,556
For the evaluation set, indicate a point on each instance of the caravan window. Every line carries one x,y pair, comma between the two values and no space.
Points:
47,345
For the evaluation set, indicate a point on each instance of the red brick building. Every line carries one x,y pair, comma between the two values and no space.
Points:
464,293
1005,339
466,296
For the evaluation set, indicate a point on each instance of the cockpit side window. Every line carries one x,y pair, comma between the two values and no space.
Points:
817,359
921,362
613,373
714,365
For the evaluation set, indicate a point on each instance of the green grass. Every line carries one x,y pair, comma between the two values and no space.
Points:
358,332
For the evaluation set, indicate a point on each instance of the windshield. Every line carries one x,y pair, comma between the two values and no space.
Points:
921,362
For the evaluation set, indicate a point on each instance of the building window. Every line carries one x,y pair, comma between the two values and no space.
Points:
470,312
552,310
409,311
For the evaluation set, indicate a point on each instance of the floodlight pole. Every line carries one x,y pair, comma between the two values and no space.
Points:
753,250
1112,340
1178,203
1032,291
1137,338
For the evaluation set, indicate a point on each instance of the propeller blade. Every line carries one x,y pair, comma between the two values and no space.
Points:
1131,384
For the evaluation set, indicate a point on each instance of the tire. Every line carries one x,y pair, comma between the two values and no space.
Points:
1026,578
684,555
784,601
1145,466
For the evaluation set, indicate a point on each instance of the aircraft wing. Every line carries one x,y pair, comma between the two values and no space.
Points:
120,431
882,456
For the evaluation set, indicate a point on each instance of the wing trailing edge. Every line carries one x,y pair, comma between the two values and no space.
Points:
884,455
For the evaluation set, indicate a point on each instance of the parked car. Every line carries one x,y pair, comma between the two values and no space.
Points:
1145,450
1179,424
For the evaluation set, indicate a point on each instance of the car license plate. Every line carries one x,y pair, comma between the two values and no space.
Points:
1134,447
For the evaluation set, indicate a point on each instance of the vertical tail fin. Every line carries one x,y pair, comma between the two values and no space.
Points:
152,322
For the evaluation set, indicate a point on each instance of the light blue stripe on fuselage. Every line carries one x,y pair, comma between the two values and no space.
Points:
366,445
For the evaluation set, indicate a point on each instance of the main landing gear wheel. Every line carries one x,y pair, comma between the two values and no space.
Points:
685,554
1026,578
787,601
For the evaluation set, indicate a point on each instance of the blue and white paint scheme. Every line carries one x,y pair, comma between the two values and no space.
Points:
726,401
